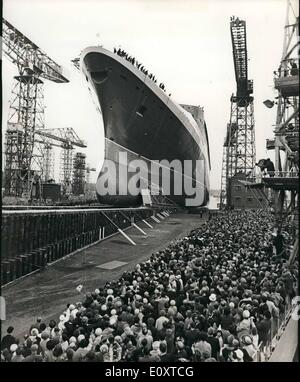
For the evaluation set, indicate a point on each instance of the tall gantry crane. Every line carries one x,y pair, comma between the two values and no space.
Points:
239,143
26,112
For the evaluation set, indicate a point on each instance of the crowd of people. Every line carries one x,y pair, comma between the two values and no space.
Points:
134,61
290,69
213,296
266,167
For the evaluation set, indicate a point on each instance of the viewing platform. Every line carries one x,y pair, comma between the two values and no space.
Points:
282,180
288,86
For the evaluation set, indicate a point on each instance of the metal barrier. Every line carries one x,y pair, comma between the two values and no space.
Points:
278,326
284,174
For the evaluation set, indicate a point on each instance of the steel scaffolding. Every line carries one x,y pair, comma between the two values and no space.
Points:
285,182
27,111
48,163
79,173
66,167
13,155
23,157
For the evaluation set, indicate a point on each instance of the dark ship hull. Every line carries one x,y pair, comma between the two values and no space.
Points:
141,120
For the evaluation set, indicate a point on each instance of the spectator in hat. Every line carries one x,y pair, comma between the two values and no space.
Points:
155,352
254,336
264,328
145,334
147,356
219,337
202,346
26,351
43,343
227,319
13,349
34,356
104,354
248,349
8,339
273,309
214,343
164,355
180,353
58,353
69,355
18,357
244,327
6,356
191,334
162,301
160,321
37,324
238,356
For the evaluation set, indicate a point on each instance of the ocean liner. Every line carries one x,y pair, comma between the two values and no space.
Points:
141,120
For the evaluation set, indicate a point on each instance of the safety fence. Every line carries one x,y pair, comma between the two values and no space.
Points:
32,239
278,326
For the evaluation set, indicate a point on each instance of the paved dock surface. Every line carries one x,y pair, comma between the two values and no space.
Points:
46,293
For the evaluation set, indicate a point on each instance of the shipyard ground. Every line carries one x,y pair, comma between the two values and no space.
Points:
50,290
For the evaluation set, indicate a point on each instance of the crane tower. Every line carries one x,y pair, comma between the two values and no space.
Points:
285,182
239,143
26,113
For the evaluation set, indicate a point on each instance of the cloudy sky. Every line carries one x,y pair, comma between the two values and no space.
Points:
185,43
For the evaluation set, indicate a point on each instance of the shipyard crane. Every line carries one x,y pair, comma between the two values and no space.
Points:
26,112
239,143
65,138
285,182
66,135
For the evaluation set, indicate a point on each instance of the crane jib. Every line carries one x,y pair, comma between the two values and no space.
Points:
240,57
26,55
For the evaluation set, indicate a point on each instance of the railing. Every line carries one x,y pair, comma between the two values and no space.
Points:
283,174
286,72
278,326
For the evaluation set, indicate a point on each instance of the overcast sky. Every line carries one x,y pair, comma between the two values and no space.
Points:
186,44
